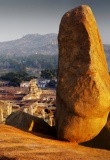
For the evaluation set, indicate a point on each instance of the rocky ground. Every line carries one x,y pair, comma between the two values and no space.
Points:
16,144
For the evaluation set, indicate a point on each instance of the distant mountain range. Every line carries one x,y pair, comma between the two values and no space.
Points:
37,44
31,44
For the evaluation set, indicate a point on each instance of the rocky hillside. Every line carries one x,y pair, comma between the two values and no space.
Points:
31,44
37,44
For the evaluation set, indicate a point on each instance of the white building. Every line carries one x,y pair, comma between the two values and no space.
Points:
25,84
42,83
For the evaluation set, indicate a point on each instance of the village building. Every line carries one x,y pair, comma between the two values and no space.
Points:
25,84
42,83
4,83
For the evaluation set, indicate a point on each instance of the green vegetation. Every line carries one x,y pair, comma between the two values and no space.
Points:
22,68
16,78
19,63
49,73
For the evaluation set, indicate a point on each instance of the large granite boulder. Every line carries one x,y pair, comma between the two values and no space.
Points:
27,122
83,89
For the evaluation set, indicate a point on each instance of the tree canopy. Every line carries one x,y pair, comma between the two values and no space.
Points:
16,78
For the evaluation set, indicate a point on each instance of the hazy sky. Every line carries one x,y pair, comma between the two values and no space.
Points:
21,17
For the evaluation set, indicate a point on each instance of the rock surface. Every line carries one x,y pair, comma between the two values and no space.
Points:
28,122
83,89
19,145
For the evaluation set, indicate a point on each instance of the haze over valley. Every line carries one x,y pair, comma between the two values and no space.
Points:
34,50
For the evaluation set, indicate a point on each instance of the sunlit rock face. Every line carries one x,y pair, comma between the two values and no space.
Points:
83,90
